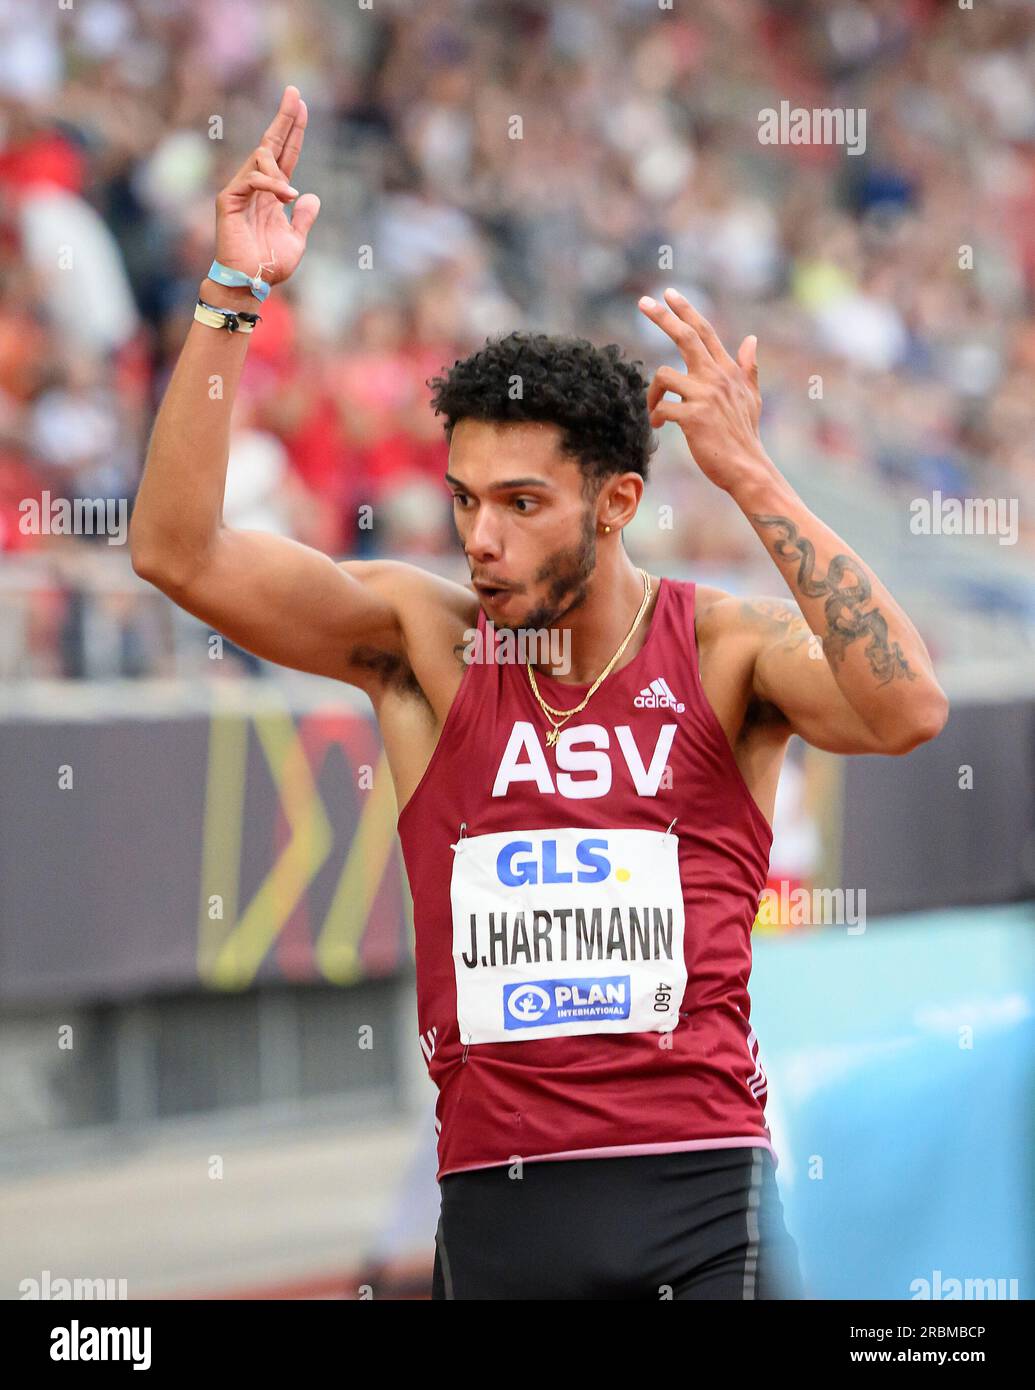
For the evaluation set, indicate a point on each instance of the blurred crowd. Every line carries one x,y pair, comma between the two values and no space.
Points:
491,164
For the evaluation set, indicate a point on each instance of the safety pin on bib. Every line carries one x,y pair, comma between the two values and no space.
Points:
460,840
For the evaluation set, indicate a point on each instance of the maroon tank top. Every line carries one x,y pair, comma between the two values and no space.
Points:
583,914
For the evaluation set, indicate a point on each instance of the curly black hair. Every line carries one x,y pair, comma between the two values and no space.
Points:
595,395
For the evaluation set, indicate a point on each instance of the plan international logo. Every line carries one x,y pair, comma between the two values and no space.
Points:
532,1003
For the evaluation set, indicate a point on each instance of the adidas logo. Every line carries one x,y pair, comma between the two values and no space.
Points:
658,696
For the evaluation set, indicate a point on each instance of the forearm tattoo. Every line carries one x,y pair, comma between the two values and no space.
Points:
845,615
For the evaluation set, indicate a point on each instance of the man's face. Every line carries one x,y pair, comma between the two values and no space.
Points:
527,528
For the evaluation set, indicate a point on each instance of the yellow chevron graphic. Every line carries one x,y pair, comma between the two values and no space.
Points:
221,832
337,952
245,946
231,950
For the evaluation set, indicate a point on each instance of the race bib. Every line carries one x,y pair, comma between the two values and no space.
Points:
559,932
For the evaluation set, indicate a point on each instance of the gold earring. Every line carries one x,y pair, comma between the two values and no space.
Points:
607,530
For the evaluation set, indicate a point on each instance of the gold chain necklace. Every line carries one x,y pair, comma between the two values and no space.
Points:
558,717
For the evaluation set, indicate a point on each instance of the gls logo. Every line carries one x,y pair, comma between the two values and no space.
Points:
524,761
513,872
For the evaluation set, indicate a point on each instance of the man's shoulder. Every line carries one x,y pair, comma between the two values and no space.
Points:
433,614
731,633
707,598
742,628
717,611
416,592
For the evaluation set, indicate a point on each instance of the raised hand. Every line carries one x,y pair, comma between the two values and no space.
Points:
719,402
252,229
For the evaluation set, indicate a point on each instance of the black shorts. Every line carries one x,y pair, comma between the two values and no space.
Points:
702,1224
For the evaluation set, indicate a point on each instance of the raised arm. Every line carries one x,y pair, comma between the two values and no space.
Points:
849,671
281,600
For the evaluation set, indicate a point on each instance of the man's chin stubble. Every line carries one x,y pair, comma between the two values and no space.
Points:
568,587
550,615
567,573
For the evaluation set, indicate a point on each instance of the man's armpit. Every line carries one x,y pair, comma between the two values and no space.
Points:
763,717
389,669
461,651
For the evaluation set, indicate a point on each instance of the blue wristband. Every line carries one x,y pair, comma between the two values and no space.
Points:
223,275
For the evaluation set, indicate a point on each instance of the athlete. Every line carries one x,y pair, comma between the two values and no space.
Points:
587,838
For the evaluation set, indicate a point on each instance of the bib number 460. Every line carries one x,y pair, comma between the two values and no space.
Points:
662,998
